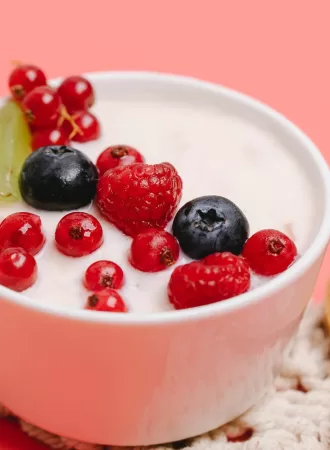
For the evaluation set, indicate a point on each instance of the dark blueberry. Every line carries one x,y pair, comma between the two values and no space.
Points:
210,224
58,178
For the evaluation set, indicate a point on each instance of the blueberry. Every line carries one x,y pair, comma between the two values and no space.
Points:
210,224
58,178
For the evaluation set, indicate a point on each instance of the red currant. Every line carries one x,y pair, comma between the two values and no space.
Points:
18,269
118,155
42,107
88,125
22,229
23,79
269,252
107,300
103,274
49,136
77,94
78,234
154,250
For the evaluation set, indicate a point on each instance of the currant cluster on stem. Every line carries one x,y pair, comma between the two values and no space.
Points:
55,116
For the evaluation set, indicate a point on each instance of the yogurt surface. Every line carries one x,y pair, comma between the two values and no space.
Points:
215,154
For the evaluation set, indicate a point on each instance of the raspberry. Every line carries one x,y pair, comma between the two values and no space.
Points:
107,300
198,283
18,269
78,234
154,250
103,274
138,197
223,259
269,252
23,230
118,155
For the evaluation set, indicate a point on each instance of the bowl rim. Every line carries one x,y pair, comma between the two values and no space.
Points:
313,252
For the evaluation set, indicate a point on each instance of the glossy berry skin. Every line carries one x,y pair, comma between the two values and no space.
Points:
118,155
107,300
76,93
78,234
269,252
89,126
138,197
49,137
18,269
23,230
102,275
42,107
23,79
210,224
199,283
58,178
154,250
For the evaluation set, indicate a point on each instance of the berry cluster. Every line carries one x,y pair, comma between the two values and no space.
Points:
214,231
103,278
79,234
139,199
55,116
21,238
220,276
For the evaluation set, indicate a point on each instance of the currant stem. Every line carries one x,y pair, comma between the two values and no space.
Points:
16,62
66,116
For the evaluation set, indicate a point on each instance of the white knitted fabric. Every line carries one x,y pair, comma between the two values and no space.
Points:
295,416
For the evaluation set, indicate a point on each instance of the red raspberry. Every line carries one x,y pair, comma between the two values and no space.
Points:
107,300
198,284
223,259
140,196
154,250
78,234
103,274
118,155
18,269
269,252
22,229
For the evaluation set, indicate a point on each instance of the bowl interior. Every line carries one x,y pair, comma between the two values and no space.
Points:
166,88
127,87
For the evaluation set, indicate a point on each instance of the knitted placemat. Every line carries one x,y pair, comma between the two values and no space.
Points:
295,415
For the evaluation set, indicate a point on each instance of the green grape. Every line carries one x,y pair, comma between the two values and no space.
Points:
15,147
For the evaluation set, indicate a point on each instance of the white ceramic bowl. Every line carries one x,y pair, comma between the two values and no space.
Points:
147,379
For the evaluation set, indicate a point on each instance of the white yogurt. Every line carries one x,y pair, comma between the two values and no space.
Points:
214,154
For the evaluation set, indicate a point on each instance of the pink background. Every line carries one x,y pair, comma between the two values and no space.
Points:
275,50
